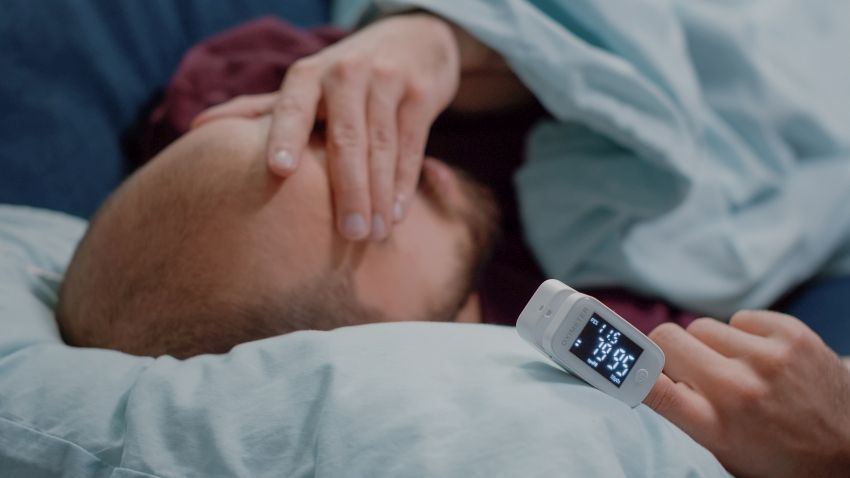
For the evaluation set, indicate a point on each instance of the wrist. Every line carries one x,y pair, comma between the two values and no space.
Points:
472,54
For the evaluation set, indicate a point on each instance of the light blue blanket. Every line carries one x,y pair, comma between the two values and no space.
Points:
699,151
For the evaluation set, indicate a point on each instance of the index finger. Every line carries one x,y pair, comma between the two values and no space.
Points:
688,359
293,117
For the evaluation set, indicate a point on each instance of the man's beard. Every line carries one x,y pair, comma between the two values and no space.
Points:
480,215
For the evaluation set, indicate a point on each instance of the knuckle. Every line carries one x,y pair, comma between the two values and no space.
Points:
740,317
664,401
351,190
305,67
240,99
664,332
801,338
384,72
771,364
290,105
344,136
796,339
348,68
381,140
410,159
748,391
780,357
411,146
405,184
417,90
699,326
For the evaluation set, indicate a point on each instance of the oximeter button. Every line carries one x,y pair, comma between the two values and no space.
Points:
642,375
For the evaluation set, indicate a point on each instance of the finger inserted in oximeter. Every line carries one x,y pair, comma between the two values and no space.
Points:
591,341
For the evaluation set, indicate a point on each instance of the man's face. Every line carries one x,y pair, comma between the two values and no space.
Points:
203,249
410,273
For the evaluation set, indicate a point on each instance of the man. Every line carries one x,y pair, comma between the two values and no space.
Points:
203,249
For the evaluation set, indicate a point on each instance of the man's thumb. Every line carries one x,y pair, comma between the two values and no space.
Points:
663,397
683,406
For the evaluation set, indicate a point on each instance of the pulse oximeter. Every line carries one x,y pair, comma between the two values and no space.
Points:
591,341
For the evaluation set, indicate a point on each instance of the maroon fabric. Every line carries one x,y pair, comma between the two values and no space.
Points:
248,59
253,58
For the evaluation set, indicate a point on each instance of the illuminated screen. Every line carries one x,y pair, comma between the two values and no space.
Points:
606,350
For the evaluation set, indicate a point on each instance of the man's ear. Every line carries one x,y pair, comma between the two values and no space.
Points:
471,311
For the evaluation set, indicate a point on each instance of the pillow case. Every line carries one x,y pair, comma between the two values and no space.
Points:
399,399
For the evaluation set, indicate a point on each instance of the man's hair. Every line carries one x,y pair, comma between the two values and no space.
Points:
154,308
154,273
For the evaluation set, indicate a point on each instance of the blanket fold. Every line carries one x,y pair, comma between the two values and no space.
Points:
700,151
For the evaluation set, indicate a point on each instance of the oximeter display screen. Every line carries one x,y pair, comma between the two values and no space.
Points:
606,350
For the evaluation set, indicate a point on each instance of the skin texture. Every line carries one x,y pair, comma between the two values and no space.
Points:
205,227
764,394
378,91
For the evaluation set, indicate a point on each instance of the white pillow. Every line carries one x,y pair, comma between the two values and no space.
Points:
403,399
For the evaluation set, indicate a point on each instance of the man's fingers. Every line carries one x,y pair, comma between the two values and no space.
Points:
345,93
683,406
762,322
414,121
687,359
294,115
249,106
729,341
384,95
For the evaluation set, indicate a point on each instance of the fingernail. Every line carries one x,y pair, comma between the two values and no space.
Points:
283,160
379,227
354,226
398,208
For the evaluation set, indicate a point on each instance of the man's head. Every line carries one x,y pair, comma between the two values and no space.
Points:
203,249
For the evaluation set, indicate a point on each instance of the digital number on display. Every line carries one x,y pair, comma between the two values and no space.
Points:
606,350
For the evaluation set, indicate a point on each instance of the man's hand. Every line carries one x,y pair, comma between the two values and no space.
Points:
764,394
379,91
